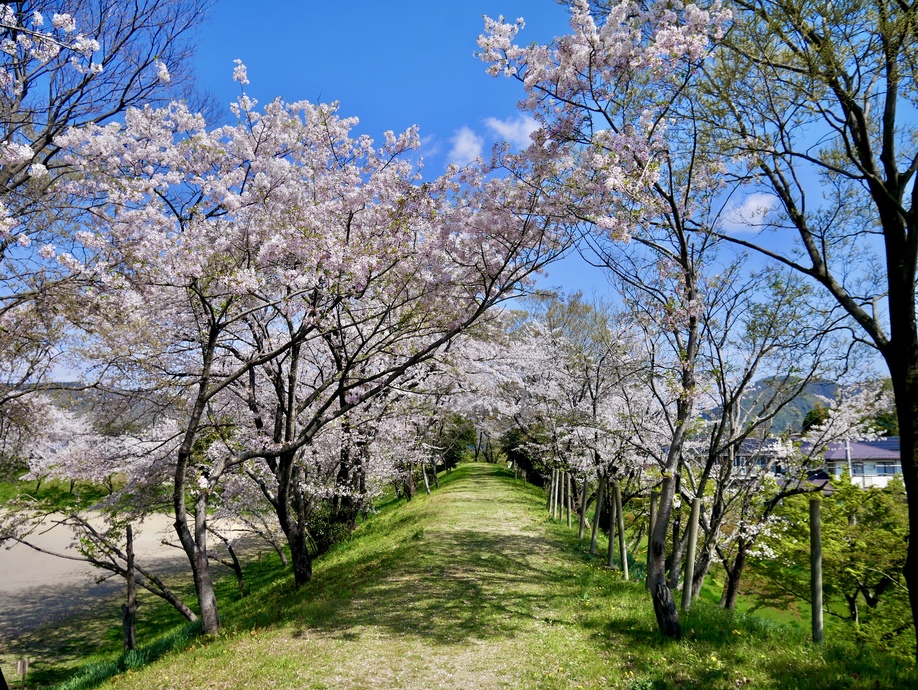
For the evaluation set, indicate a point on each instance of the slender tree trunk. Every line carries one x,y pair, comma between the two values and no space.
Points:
300,557
195,547
410,487
600,491
292,512
424,472
583,502
613,515
707,556
852,608
637,535
129,609
279,550
702,566
570,500
651,519
433,471
816,570
620,512
675,557
234,560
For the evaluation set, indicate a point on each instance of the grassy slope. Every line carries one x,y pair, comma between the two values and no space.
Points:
472,587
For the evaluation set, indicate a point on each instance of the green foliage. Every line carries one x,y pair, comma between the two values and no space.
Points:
518,447
456,436
817,415
864,536
327,526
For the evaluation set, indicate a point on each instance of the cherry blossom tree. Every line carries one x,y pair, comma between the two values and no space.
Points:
61,68
68,446
766,339
605,96
262,280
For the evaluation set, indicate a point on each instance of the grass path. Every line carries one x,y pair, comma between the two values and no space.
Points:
462,589
473,587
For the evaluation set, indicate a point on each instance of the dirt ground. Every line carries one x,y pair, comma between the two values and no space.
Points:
37,588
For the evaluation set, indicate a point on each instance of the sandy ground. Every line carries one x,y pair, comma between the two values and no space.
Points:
37,588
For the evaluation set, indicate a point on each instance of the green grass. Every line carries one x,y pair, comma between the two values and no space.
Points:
473,587
54,494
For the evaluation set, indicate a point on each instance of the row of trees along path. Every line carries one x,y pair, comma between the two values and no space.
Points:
471,588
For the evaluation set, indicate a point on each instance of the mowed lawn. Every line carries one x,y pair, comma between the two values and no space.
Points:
473,587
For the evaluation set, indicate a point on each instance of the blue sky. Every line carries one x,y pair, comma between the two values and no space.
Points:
391,64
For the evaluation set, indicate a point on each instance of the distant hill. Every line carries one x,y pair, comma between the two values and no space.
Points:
791,416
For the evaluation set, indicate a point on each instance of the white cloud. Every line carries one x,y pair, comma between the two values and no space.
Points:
516,131
748,214
467,147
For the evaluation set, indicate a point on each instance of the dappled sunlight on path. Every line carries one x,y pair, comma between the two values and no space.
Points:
466,588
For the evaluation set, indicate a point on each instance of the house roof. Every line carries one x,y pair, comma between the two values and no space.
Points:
882,449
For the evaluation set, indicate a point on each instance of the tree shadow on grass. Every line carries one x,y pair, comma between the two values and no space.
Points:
448,577
447,588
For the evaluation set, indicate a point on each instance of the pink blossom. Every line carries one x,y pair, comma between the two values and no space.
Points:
63,22
162,72
239,73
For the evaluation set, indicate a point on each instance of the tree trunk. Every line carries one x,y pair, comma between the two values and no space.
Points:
292,513
204,588
663,605
620,512
734,575
234,563
583,502
195,547
409,483
570,501
424,472
852,608
613,514
299,555
651,521
129,610
903,367
598,513
674,564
